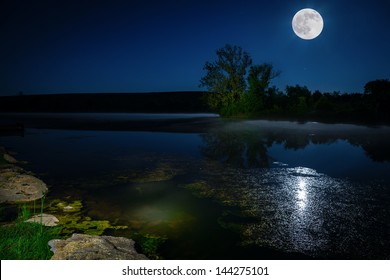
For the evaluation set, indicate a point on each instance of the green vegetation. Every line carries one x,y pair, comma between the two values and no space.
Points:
162,172
231,90
150,244
26,241
236,87
71,219
23,240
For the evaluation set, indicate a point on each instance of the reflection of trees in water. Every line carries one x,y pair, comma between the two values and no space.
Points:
249,148
375,147
237,149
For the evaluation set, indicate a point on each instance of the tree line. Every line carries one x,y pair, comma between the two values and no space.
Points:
238,87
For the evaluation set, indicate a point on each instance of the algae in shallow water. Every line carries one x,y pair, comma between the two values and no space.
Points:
74,206
163,172
224,195
71,219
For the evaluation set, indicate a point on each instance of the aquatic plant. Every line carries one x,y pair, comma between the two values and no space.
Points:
150,244
71,219
162,172
223,195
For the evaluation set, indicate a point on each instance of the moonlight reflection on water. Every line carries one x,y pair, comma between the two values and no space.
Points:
302,194
301,210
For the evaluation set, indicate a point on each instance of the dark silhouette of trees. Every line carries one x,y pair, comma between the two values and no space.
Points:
238,88
377,97
298,99
258,85
231,91
225,77
377,87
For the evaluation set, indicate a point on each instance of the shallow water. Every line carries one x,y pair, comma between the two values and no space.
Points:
243,189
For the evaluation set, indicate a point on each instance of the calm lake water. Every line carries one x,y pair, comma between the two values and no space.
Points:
240,189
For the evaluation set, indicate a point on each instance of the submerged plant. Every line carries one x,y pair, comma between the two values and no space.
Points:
71,219
150,244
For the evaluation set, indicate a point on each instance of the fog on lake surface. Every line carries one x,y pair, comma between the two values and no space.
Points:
233,189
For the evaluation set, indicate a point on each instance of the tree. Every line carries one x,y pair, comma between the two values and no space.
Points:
377,96
225,77
377,87
298,97
259,79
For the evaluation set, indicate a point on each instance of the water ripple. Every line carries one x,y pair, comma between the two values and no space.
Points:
301,210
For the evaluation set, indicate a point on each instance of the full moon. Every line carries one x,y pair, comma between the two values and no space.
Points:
307,24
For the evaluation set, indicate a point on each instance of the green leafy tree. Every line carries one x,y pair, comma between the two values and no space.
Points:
259,79
298,97
225,77
324,105
231,91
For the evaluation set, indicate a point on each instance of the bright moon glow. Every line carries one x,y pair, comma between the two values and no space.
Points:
307,24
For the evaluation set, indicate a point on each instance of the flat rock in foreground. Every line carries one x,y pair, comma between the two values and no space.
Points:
46,220
91,247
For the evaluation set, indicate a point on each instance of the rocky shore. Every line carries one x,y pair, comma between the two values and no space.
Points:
92,247
17,184
20,186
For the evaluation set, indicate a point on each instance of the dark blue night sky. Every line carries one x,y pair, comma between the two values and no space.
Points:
141,46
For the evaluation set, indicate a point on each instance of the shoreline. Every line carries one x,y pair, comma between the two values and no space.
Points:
153,122
16,184
75,247
73,121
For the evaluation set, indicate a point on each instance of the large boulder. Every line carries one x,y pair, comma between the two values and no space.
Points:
92,247
21,188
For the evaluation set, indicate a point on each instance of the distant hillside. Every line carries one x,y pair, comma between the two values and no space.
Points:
161,102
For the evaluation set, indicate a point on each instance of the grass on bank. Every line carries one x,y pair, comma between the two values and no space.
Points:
26,241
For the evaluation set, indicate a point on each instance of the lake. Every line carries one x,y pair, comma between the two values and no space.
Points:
199,187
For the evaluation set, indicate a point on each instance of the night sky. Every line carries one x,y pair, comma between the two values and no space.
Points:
141,46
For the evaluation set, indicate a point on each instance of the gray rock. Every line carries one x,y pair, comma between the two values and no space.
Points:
90,247
47,220
21,188
9,158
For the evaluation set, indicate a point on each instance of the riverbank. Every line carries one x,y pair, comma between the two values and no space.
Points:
16,184
39,236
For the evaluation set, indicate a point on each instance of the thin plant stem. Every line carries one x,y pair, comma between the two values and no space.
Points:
34,209
42,200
